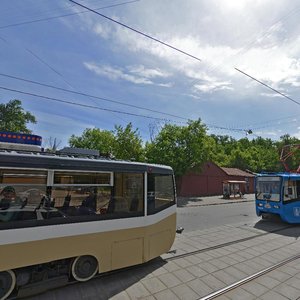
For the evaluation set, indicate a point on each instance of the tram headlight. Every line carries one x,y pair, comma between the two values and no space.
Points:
276,206
260,204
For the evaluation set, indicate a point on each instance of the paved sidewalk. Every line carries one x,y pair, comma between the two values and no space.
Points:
205,271
212,200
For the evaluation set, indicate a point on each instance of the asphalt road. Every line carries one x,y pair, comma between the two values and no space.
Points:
203,217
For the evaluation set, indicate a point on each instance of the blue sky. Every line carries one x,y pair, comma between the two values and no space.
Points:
88,54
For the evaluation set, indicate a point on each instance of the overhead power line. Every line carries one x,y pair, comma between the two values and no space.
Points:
137,31
248,131
91,96
112,110
176,49
267,86
65,15
80,104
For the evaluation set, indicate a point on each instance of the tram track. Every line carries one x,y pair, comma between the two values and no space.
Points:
225,244
250,278
213,295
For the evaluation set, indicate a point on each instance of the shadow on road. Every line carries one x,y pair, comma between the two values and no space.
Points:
277,226
108,285
183,201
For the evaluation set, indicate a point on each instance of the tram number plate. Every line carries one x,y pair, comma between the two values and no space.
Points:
296,211
267,205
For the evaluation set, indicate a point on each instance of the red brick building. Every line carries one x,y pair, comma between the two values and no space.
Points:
208,180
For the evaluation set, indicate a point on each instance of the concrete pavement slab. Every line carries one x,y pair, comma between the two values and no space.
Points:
202,272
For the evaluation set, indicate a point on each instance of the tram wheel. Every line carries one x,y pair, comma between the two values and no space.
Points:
7,283
84,267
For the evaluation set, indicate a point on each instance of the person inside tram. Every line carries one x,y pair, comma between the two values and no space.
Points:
91,200
9,198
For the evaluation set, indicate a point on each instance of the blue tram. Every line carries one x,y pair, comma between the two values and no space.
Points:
278,194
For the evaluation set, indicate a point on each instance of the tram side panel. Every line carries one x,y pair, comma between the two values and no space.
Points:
114,249
161,235
126,236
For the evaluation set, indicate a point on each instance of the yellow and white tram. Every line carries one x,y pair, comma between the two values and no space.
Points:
66,217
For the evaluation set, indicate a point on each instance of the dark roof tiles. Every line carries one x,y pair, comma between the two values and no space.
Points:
236,172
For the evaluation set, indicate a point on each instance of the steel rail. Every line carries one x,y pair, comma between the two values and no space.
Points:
249,278
224,244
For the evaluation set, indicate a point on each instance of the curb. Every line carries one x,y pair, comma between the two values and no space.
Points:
219,203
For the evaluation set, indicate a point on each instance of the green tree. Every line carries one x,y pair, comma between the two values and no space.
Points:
181,147
128,143
14,118
221,149
122,143
94,138
239,158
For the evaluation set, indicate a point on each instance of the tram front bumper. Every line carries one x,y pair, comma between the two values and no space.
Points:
267,207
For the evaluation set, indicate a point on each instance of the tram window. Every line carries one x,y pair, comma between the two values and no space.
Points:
268,188
51,214
16,214
20,187
125,198
31,194
20,176
128,193
291,190
82,178
160,192
84,200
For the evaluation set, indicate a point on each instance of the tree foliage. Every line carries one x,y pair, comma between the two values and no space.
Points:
181,147
94,138
128,143
189,146
122,143
14,118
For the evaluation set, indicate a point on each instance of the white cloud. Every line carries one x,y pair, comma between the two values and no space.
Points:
134,74
209,87
168,85
102,31
271,95
261,49
148,73
259,37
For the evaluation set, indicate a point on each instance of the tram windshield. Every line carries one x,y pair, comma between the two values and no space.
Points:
268,188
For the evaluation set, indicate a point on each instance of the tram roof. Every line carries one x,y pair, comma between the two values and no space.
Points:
280,174
46,160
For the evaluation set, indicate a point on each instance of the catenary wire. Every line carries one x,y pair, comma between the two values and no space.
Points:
65,15
112,110
267,86
88,95
137,31
183,52
262,34
80,104
176,49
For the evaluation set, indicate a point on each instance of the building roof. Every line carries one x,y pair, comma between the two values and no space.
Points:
236,172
